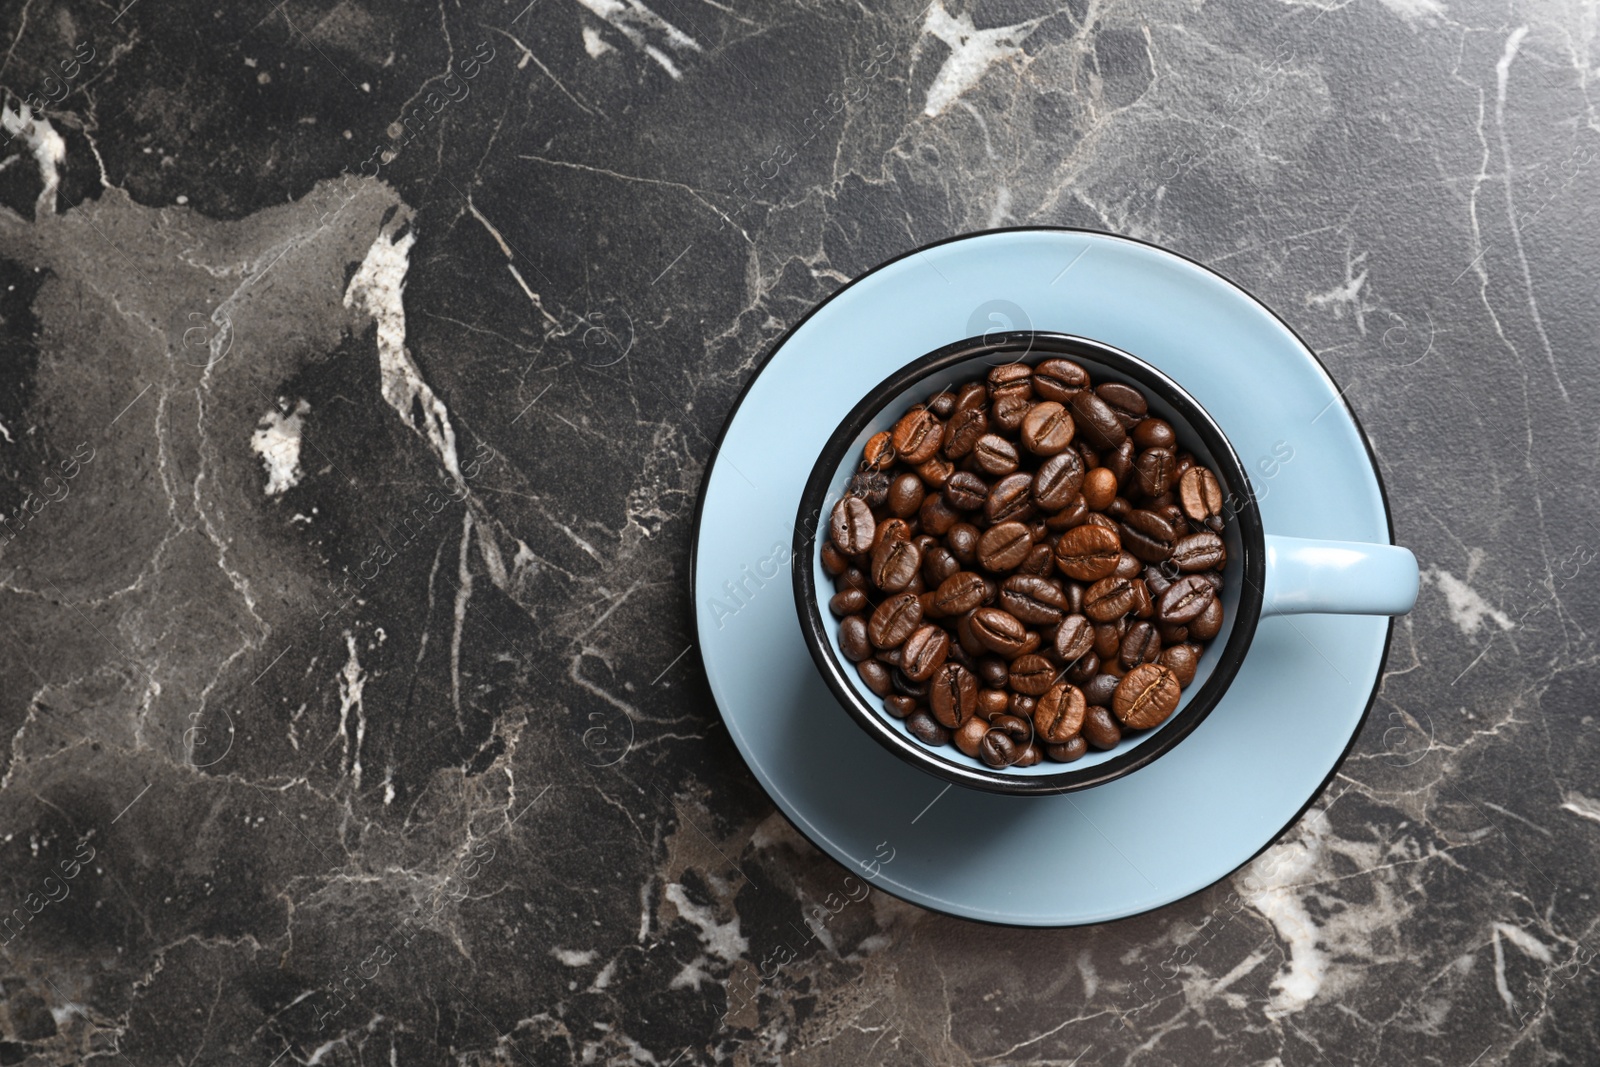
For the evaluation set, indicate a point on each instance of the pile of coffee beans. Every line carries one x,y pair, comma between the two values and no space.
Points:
1028,566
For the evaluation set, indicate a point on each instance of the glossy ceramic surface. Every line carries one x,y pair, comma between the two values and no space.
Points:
1178,824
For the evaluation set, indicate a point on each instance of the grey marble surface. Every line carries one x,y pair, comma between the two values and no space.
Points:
361,364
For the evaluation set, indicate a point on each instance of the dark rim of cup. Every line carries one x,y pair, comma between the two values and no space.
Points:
1029,346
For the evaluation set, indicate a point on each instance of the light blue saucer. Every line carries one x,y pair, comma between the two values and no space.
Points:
1163,832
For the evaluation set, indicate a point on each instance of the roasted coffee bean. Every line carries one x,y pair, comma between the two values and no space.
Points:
1008,412
888,656
1041,561
905,685
1097,518
1108,637
1146,695
972,395
894,620
1068,517
1185,600
1172,634
993,672
871,486
926,729
966,638
1208,623
1009,500
935,472
1156,581
1034,600
1141,644
1022,706
959,594
894,565
1099,486
1155,433
1047,429
992,702
853,641
1030,644
1057,481
852,578
891,529
1069,751
833,561
1000,631
916,585
1127,566
905,495
876,676
1096,422
960,655
1126,402
1030,755
1155,469
1214,577
942,403
970,736
967,425
1074,591
1148,536
937,516
1011,379
852,526
1004,546
924,652
879,451
1074,638
1088,553
1199,552
1143,606
847,602
995,455
1084,668
1109,598
1200,494
953,695
937,565
917,436
1100,729
962,541
966,491
1031,675
1059,714
899,705
1119,507
997,750
1119,461
1059,380
1099,689
1182,661
1018,727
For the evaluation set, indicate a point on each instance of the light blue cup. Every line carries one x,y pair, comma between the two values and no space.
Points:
1266,574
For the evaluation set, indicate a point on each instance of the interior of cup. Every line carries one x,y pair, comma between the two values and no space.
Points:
1031,350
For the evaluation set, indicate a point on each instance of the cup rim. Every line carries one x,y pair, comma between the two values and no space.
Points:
1032,346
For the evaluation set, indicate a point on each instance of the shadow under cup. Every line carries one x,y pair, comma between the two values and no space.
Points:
951,367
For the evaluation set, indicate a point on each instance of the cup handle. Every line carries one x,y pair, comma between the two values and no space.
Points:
1306,575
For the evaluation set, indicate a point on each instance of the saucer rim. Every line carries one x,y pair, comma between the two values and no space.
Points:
1339,397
